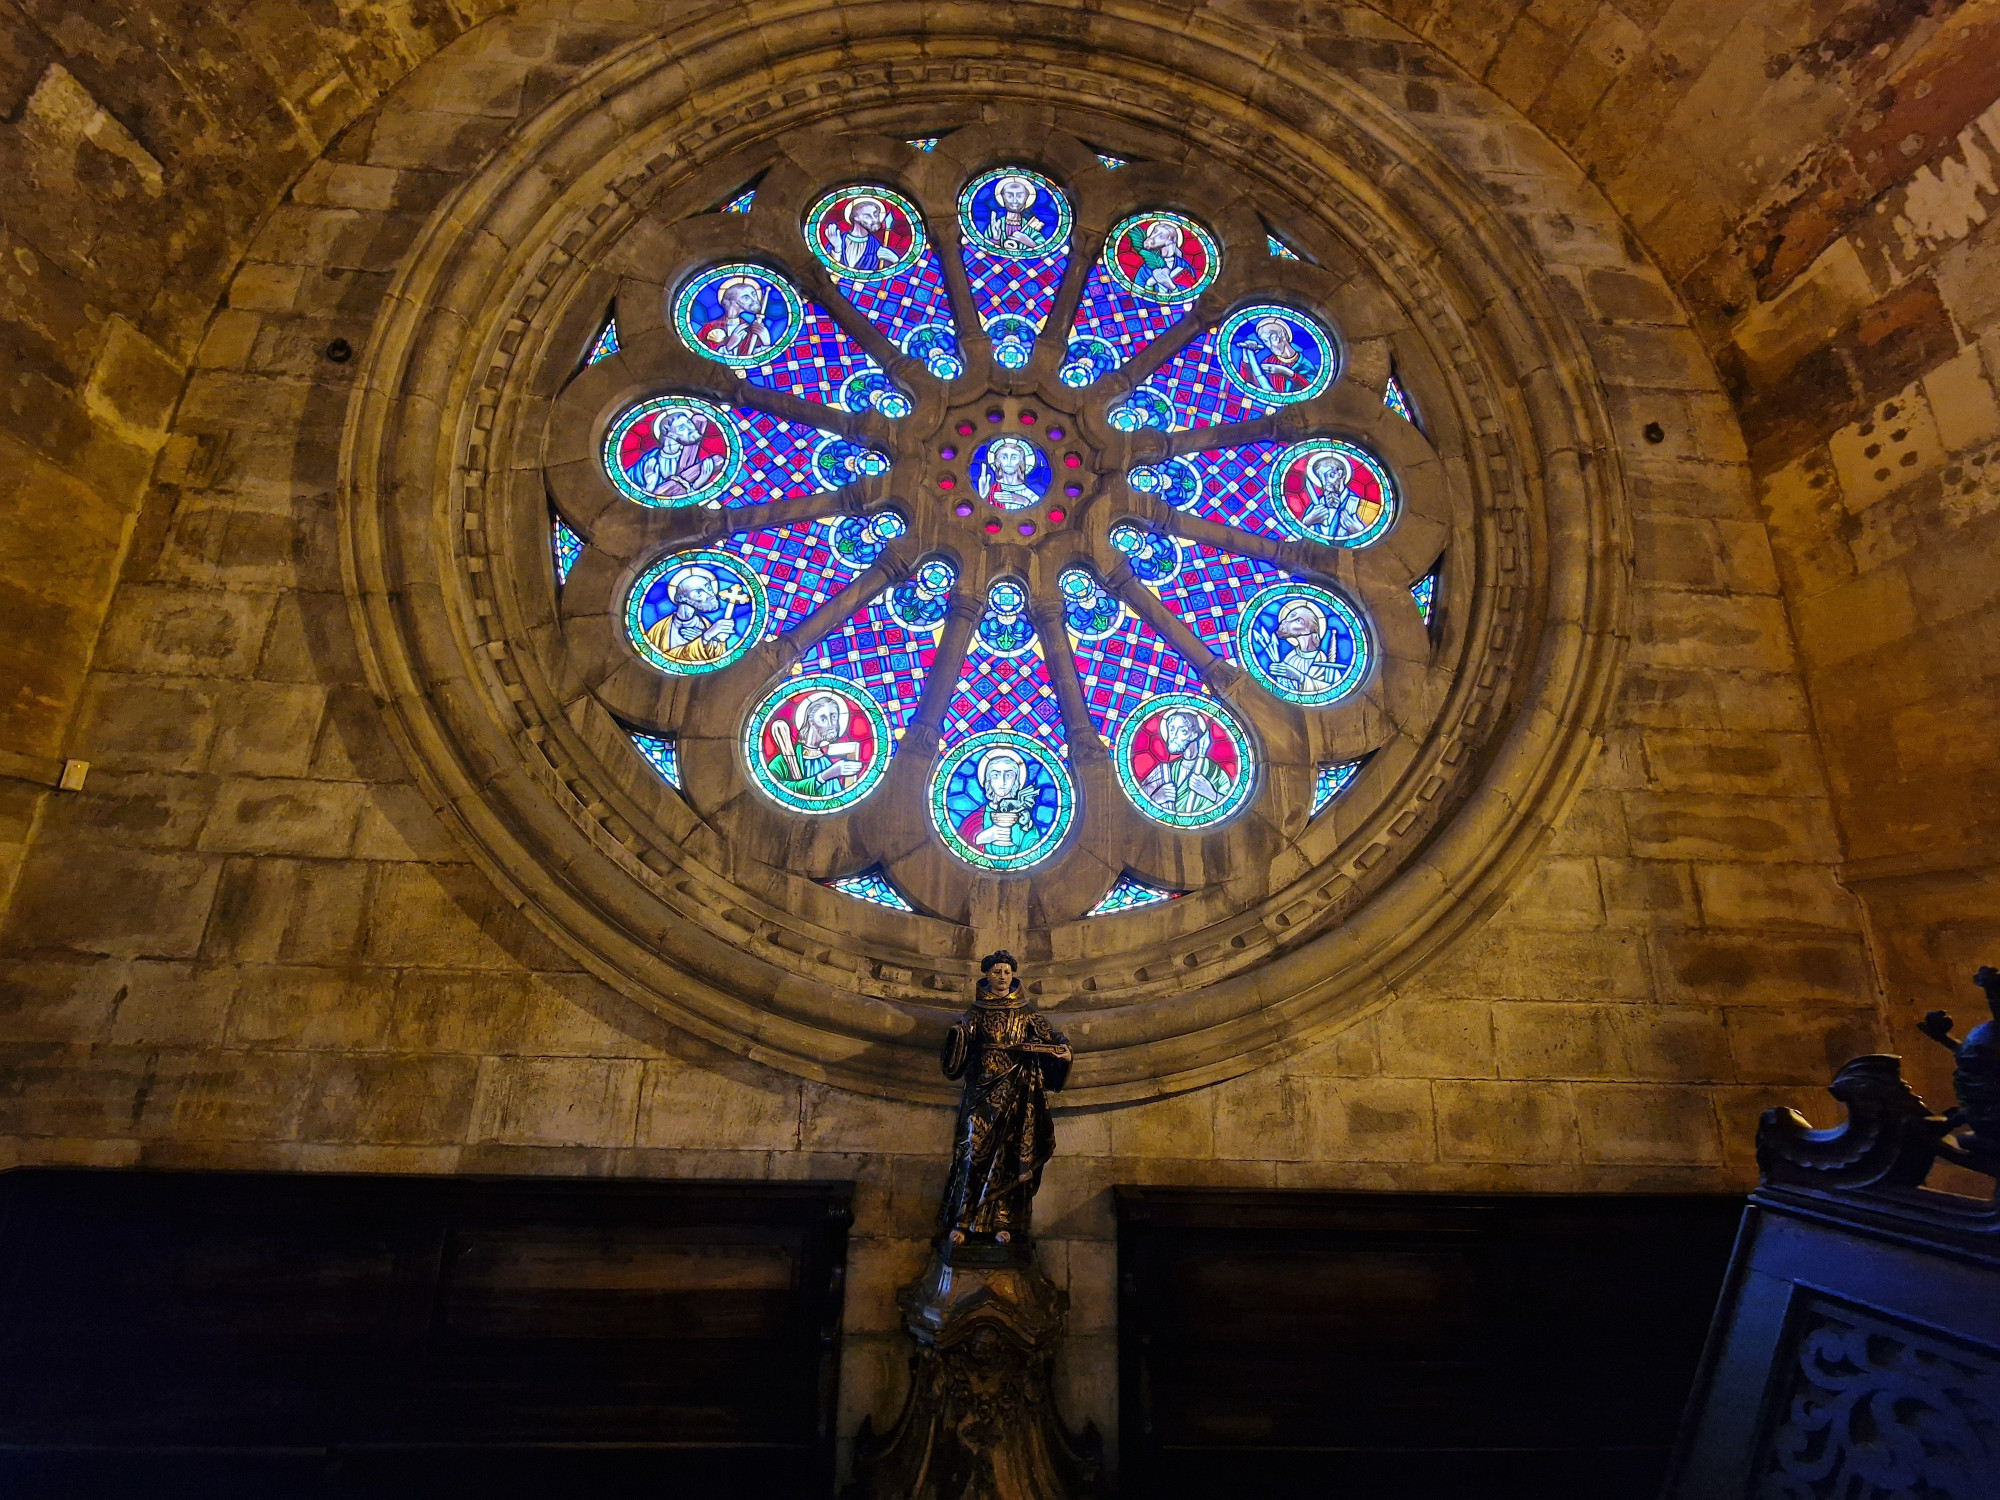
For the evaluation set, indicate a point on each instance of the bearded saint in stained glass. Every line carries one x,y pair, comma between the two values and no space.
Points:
1273,362
700,628
815,756
690,451
741,331
1191,782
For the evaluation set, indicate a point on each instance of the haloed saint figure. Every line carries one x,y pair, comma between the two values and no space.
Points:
1010,1058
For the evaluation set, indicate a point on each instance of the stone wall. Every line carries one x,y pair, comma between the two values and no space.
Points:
248,942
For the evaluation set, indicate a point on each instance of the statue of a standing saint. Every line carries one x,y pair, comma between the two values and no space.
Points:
1010,1058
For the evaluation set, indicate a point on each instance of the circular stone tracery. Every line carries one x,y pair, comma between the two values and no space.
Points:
702,904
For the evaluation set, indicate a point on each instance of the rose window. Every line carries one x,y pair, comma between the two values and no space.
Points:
911,515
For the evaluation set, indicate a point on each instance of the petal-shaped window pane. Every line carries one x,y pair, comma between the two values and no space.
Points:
1259,359
681,450
872,243
1015,226
1319,490
1153,267
1001,797
1181,758
887,649
754,320
1299,640
700,609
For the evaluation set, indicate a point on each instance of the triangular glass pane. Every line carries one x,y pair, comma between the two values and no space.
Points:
606,344
568,549
1182,759
870,885
670,451
662,753
1319,490
742,202
1332,780
871,241
1153,267
1111,162
1278,248
1300,641
1129,892
926,142
1014,226
1001,796
755,321
1261,358
1424,591
1398,401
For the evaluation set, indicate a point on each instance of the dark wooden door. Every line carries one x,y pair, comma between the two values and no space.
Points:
1410,1346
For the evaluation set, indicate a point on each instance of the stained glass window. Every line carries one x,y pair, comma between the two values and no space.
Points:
606,345
662,754
568,549
926,142
1331,781
1014,226
1260,358
1128,892
1001,796
1000,792
1319,490
1298,640
871,241
1153,267
1398,401
871,885
1182,759
754,320
1424,591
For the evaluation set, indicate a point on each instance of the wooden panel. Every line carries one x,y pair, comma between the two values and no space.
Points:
1434,1345
379,1335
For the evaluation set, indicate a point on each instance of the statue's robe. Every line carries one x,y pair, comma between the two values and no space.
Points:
1004,1136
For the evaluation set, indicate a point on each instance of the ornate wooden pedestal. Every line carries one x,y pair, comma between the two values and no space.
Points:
980,1422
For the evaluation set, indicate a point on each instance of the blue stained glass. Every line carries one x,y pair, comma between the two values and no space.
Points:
1259,359
1398,401
806,563
1129,892
888,648
926,142
606,345
662,754
681,450
1299,640
1278,248
1015,227
1319,490
1121,661
1112,162
872,242
568,548
1004,683
754,320
740,204
1153,267
1332,781
1424,591
871,884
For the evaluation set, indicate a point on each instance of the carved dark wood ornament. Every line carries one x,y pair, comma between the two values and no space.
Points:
512,703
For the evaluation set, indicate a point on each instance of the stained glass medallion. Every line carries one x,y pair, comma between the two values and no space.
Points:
1260,358
871,241
1154,265
672,451
817,744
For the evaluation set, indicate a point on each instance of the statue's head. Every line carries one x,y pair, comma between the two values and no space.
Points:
999,969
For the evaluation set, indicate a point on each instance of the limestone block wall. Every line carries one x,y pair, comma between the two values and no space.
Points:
248,942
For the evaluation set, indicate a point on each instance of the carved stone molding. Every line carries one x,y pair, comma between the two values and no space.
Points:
470,391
